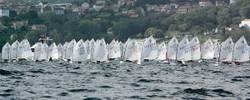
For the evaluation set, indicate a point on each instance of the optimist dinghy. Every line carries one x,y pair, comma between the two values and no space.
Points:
240,53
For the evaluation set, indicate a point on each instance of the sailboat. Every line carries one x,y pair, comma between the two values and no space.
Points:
207,50
91,49
149,50
80,52
162,52
53,52
216,50
172,49
69,50
14,50
100,53
184,51
24,50
133,51
114,50
226,51
195,49
60,51
65,45
40,52
6,51
240,53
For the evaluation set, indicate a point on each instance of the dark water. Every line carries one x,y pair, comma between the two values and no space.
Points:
126,81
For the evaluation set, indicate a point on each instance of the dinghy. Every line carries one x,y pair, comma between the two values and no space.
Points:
240,53
162,52
114,50
91,49
24,50
40,52
53,52
172,49
100,51
149,50
65,45
226,51
133,51
195,49
207,50
216,50
184,51
60,51
6,51
80,52
14,50
69,50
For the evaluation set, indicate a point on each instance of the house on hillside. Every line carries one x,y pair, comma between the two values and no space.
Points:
39,27
245,23
205,3
4,12
186,8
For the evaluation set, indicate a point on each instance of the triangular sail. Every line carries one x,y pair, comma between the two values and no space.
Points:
172,49
100,51
216,50
195,49
80,52
53,52
149,50
207,50
162,51
24,50
14,50
6,50
226,51
184,50
133,51
60,51
69,50
241,48
114,50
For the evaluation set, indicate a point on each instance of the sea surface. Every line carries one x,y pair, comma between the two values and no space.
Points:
123,81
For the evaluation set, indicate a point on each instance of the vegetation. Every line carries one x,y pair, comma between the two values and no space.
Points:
107,25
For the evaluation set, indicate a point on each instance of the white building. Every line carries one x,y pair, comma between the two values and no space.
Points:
205,3
4,12
245,23
233,1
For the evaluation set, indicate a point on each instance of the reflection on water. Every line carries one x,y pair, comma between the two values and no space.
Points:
151,80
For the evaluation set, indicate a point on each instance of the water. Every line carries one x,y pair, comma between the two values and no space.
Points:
126,81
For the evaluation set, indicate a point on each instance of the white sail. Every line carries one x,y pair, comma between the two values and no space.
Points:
53,52
184,50
40,52
24,50
65,45
162,52
226,51
217,50
241,48
207,50
60,51
69,50
14,50
195,49
133,51
172,48
114,50
80,52
6,50
91,49
149,50
100,51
